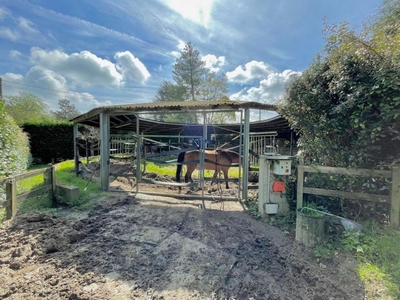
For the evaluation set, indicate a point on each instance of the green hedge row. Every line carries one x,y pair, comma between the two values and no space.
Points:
50,142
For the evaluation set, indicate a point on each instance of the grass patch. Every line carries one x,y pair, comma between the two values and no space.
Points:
65,175
90,192
377,251
27,184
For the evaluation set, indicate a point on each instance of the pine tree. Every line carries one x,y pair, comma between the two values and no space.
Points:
189,70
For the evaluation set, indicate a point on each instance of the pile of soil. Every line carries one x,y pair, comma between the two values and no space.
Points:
147,247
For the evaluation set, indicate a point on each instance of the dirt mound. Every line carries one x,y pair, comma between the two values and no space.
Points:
160,248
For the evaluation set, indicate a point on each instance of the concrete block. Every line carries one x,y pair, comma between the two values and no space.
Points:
67,194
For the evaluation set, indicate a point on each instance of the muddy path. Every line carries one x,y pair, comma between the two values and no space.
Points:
142,247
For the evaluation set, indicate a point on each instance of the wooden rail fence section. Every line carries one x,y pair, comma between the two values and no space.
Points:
393,198
11,189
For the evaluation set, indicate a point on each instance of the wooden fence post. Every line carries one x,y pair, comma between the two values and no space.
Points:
53,183
395,195
300,182
11,196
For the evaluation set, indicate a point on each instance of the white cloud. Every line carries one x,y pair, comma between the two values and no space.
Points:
251,71
55,75
26,25
3,13
48,85
84,68
197,11
9,34
214,63
45,78
15,54
131,67
270,90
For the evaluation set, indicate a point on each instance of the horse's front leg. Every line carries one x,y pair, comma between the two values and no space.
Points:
226,179
187,177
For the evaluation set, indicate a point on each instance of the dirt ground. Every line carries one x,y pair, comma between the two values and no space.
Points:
137,246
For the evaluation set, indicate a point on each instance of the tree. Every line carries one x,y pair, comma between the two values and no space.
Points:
215,87
346,104
168,92
67,110
193,81
189,70
26,107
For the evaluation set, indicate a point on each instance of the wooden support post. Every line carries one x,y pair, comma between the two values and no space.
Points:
300,183
11,197
76,148
53,184
395,197
105,151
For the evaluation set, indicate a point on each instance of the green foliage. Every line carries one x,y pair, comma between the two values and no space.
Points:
285,221
50,142
189,70
26,107
67,110
377,252
349,96
14,146
315,210
193,81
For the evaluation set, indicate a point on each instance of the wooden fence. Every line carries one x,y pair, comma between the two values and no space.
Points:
12,198
394,193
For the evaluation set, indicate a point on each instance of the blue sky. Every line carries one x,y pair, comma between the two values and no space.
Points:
104,52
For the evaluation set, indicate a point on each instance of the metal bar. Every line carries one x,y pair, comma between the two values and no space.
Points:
76,149
246,152
105,151
138,149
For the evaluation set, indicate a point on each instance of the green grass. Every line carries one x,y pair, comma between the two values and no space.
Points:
65,175
90,192
377,251
27,184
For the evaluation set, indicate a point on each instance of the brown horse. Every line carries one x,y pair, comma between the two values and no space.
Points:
217,160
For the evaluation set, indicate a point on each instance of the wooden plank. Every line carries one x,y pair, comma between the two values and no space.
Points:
34,193
344,171
11,197
31,173
347,195
300,180
4,180
395,194
53,184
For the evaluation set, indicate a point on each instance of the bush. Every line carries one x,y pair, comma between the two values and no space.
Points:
14,146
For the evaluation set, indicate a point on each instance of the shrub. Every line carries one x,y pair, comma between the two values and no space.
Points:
14,146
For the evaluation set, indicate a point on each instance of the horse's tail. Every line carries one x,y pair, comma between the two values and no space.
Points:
181,157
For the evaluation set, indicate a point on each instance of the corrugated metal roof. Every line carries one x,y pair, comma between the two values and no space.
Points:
123,117
173,107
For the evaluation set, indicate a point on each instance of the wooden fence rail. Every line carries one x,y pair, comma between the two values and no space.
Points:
11,189
393,198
